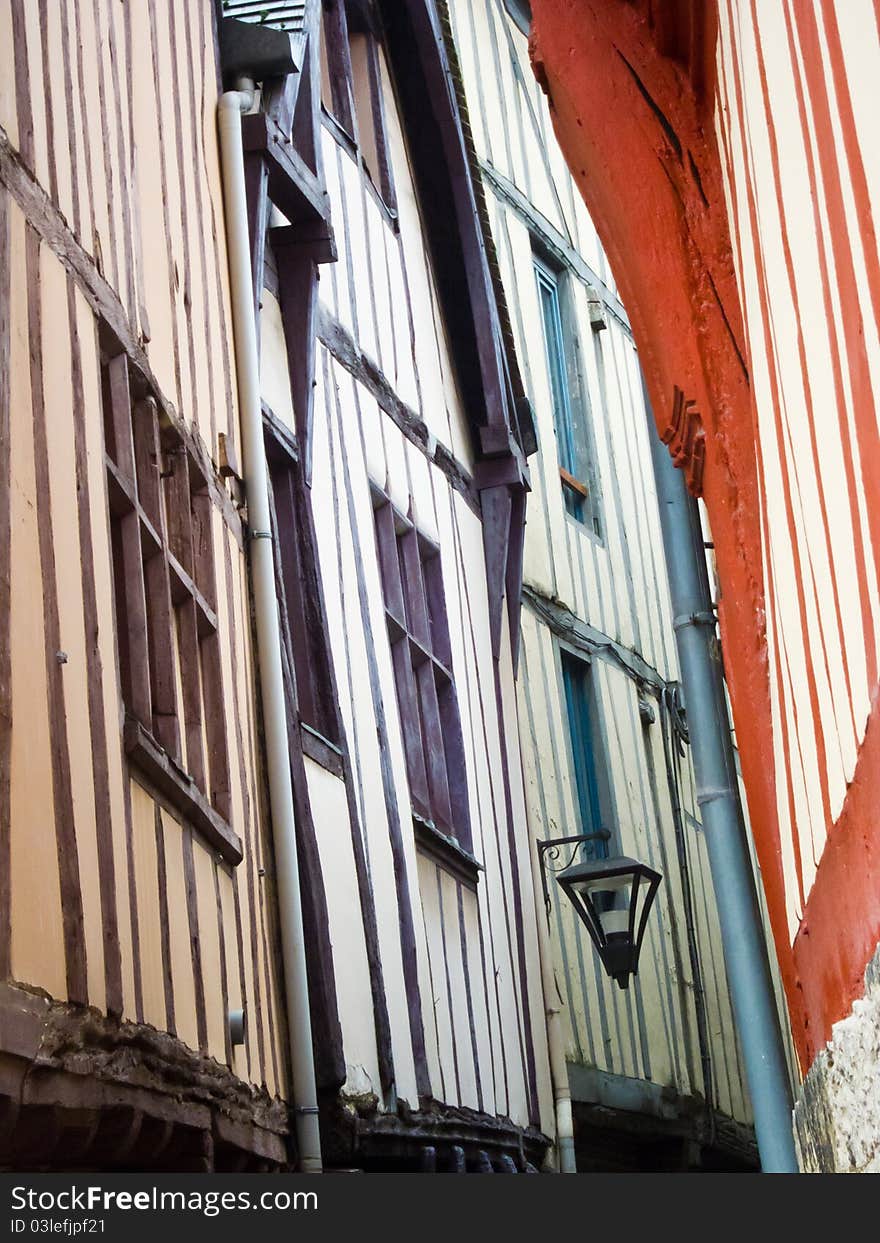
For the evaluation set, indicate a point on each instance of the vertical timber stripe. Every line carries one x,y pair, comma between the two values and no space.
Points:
517,931
791,491
219,258
232,690
353,784
224,974
164,925
433,989
138,257
166,219
192,912
197,111
65,829
249,834
788,479
84,237
381,1020
125,178
326,1029
189,401
530,683
23,110
242,979
47,97
854,159
401,880
724,94
262,851
777,402
5,593
132,882
453,1038
466,626
110,269
466,972
94,678
501,853
464,595
867,433
839,639
71,122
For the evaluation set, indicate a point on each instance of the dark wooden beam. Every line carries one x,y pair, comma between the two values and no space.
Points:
337,339
180,790
293,187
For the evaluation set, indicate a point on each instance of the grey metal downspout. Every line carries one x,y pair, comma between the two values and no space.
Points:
742,934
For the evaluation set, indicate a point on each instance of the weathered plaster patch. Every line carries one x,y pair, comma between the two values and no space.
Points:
837,1119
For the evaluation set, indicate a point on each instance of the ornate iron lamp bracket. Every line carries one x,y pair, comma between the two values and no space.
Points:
549,852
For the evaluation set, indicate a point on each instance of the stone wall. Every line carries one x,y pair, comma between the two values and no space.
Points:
837,1119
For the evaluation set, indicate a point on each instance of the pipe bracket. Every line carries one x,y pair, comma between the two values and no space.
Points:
712,796
693,619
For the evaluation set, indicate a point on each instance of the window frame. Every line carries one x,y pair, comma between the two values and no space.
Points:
340,22
568,395
303,617
336,57
585,747
414,602
165,607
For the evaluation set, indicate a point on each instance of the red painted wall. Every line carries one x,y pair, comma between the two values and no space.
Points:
631,87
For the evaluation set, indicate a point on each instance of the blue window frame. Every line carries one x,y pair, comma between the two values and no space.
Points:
581,726
571,414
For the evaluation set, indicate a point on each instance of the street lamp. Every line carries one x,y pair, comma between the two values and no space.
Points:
613,897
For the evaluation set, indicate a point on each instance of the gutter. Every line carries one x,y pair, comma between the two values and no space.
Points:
303,1090
742,933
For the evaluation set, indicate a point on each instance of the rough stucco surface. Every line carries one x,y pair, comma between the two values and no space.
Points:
837,1119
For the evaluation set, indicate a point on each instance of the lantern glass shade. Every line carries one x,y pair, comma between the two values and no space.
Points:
613,898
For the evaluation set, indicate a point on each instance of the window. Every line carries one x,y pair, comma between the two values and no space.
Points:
581,729
415,610
161,515
351,87
336,92
571,413
303,621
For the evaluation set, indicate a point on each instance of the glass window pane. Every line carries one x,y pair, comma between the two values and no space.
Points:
575,677
571,410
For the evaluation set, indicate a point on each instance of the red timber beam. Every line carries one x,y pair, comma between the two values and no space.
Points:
631,85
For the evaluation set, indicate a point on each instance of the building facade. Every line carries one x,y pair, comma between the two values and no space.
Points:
137,903
345,407
742,136
655,1072
145,993
410,476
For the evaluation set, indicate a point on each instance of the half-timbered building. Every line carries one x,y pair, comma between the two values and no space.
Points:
728,154
398,473
293,297
655,1072
138,909
148,947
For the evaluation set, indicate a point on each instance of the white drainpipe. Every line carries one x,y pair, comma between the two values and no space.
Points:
304,1097
555,1038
